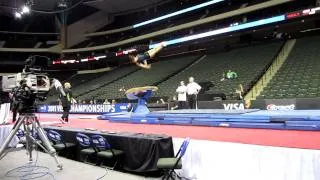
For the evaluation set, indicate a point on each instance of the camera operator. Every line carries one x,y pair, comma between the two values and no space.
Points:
66,102
14,103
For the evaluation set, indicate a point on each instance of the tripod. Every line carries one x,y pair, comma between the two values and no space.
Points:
31,125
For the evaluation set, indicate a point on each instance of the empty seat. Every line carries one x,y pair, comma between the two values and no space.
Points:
299,75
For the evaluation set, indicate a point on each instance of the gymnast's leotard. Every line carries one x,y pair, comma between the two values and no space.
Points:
143,57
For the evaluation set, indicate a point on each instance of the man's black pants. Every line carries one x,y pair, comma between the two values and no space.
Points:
65,115
182,104
14,109
192,100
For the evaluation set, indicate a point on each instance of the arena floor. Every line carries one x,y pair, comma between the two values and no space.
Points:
11,168
214,152
266,137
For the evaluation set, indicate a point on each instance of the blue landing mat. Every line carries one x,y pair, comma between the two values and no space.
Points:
252,118
205,111
313,115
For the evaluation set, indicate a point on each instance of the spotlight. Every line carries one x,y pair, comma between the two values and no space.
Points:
18,15
25,10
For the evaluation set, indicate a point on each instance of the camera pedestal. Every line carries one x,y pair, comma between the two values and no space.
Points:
31,125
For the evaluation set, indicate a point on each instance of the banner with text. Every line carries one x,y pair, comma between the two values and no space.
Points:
85,108
264,104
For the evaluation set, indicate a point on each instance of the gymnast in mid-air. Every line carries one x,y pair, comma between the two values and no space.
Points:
141,60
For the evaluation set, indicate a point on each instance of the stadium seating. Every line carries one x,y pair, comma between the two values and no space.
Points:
75,80
62,75
299,76
101,79
83,83
79,79
248,62
160,70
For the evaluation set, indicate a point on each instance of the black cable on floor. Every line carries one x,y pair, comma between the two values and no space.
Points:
104,174
30,171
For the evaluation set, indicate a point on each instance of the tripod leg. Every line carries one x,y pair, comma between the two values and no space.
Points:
29,142
11,135
47,144
25,128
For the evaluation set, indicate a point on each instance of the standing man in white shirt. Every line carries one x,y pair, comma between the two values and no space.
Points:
182,95
193,89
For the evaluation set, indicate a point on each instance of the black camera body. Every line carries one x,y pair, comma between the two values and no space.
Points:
25,98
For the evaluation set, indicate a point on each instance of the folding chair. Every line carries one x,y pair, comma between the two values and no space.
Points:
21,136
22,139
168,165
59,143
36,136
85,143
105,151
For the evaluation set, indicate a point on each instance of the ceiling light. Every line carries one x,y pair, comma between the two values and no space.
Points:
17,15
25,10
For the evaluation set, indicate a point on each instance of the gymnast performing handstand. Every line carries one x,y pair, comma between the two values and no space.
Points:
141,60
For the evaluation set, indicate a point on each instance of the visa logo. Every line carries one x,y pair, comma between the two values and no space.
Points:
234,106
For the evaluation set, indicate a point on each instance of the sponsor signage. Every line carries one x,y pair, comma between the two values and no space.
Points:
263,104
86,108
226,105
274,107
233,106
280,104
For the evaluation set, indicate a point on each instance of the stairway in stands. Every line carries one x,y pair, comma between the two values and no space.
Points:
277,63
299,76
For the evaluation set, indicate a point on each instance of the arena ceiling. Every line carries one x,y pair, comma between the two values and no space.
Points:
9,6
119,6
43,10
110,6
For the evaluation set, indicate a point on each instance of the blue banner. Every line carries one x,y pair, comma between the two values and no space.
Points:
85,108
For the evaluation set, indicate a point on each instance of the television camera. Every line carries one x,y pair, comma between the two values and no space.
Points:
27,87
36,80
36,84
